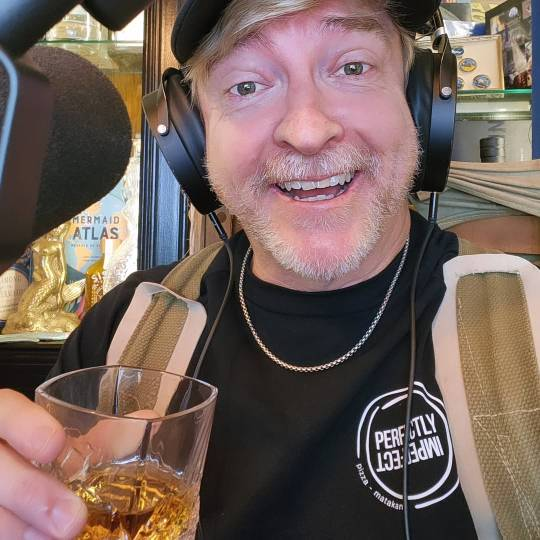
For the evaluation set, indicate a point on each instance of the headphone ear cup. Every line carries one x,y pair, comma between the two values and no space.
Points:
420,99
434,117
183,145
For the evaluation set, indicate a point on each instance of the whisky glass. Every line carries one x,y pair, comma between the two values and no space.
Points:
135,450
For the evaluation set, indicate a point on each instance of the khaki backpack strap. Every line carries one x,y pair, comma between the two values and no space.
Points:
185,278
501,379
163,323
468,248
486,335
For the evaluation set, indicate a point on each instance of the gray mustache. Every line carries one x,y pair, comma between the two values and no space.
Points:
345,158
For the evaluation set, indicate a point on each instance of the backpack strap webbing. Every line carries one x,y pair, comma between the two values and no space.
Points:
162,327
185,278
501,380
468,248
157,333
500,377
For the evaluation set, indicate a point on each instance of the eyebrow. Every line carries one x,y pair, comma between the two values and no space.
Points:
356,23
255,36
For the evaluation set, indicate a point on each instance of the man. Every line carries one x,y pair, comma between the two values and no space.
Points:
311,144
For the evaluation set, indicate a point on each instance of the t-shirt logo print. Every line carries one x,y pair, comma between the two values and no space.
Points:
379,449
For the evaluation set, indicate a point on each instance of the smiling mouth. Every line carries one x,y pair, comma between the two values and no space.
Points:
325,189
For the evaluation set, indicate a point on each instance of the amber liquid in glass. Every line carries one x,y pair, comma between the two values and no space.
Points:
134,502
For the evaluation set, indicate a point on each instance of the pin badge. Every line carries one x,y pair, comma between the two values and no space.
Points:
482,82
460,83
458,51
468,64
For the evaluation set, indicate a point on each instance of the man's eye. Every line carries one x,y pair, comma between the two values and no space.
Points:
354,68
245,88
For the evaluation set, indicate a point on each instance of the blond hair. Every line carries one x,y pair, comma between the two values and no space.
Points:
243,18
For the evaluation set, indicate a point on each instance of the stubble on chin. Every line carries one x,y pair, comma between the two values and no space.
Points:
357,224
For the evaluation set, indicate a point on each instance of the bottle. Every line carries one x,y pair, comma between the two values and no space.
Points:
96,275
13,282
124,259
94,283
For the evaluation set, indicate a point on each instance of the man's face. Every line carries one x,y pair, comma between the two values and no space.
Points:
310,142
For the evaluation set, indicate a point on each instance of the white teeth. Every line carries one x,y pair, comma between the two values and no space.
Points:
314,199
323,184
334,181
307,185
344,178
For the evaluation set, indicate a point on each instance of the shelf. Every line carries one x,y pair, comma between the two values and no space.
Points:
494,105
29,345
24,366
483,94
108,55
90,41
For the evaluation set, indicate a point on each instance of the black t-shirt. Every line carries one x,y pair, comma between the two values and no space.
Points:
316,456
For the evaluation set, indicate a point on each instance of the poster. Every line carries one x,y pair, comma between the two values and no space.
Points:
101,221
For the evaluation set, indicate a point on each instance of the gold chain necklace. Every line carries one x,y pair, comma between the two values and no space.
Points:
337,361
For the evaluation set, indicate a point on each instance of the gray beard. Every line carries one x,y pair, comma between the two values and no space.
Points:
244,201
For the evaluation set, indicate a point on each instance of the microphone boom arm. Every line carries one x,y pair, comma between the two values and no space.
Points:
24,22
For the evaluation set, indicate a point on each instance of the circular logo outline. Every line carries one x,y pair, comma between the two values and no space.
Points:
391,398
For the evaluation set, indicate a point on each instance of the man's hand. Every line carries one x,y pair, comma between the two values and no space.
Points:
33,505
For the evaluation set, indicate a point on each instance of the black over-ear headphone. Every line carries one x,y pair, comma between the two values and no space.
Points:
431,93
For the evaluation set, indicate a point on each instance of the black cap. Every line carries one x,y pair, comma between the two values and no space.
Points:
197,18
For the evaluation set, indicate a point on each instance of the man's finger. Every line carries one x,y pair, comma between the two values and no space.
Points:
12,528
28,428
38,499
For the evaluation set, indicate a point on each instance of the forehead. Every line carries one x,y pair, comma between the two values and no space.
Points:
317,17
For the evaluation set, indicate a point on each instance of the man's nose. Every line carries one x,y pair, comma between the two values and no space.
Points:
305,126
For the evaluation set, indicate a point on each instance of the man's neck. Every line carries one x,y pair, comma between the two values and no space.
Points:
390,243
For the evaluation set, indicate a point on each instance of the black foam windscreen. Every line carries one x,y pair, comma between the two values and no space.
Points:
53,167
90,143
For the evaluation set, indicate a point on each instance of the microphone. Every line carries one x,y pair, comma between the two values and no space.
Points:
24,22
88,149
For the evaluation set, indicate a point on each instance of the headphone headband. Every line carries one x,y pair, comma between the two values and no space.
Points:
431,94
